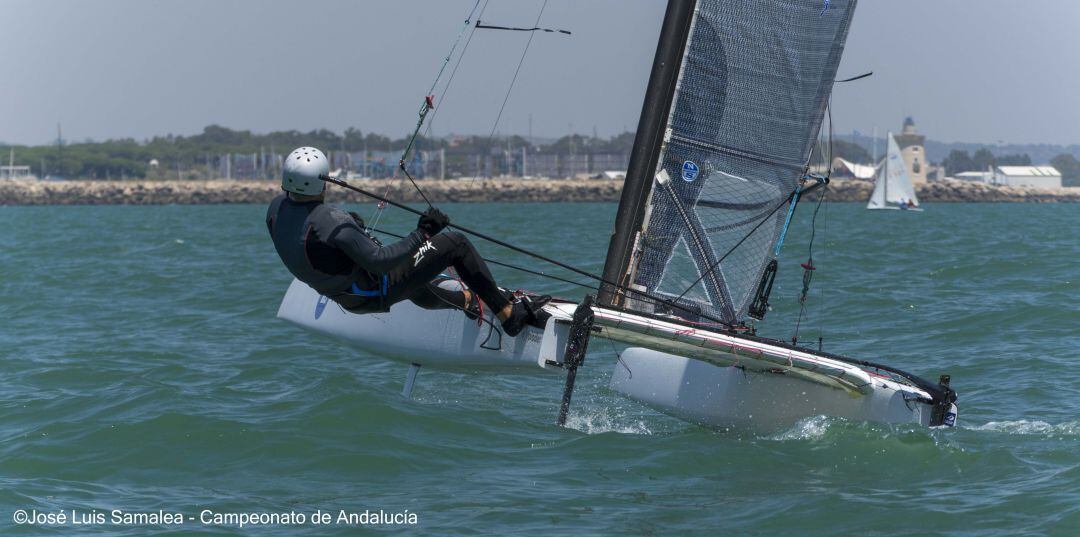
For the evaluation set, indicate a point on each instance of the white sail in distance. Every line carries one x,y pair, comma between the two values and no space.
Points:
892,186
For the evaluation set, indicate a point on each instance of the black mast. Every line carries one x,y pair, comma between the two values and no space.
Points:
650,135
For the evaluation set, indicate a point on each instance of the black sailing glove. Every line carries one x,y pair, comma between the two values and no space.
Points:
360,222
432,221
358,219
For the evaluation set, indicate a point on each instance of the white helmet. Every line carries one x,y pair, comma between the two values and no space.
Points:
302,169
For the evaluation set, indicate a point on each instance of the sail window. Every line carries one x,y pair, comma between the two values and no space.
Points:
754,83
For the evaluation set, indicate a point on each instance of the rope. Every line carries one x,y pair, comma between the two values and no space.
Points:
480,320
509,266
416,186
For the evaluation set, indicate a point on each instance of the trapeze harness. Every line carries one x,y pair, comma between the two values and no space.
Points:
319,245
379,292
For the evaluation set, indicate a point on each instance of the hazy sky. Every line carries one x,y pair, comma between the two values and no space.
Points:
967,70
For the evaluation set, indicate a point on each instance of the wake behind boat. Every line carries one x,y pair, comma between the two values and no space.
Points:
733,109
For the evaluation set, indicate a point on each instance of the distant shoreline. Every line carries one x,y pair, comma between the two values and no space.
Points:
508,190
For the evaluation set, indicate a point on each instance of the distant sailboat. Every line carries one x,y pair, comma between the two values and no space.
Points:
892,187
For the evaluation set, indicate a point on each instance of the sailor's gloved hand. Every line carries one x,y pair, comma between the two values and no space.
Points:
432,221
358,219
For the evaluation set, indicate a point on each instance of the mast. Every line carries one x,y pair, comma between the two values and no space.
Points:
873,159
646,151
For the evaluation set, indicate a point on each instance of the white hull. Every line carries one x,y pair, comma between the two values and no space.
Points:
913,209
735,398
729,381
717,380
409,334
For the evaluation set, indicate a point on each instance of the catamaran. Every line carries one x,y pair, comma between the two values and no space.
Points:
892,185
732,111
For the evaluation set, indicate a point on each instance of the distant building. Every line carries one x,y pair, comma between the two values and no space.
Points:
912,148
844,169
935,173
15,172
1033,176
974,177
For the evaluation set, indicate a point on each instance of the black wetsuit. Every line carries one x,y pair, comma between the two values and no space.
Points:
324,247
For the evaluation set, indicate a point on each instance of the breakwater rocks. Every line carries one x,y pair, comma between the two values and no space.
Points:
223,191
492,190
952,191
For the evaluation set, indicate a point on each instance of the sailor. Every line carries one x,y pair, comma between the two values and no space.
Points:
328,249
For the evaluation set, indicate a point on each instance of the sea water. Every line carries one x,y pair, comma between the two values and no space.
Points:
144,373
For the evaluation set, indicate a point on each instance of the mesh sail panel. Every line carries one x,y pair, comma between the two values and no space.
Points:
755,80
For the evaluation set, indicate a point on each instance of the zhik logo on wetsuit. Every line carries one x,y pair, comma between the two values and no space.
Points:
419,255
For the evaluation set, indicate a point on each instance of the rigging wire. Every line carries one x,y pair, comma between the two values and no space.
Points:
809,268
453,72
825,227
821,289
429,97
714,266
429,105
521,61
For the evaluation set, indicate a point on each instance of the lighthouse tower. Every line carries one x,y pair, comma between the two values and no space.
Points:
911,147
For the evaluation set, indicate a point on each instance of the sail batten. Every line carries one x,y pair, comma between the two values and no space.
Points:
767,159
746,109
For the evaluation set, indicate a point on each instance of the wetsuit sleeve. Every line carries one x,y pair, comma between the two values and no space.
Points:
370,256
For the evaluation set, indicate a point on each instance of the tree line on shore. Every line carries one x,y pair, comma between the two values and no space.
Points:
191,156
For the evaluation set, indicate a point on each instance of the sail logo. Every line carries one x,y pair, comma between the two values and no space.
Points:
320,306
690,171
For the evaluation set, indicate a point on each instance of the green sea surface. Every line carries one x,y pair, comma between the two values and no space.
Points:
144,369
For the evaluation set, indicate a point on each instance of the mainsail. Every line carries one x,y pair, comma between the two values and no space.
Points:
754,81
893,184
